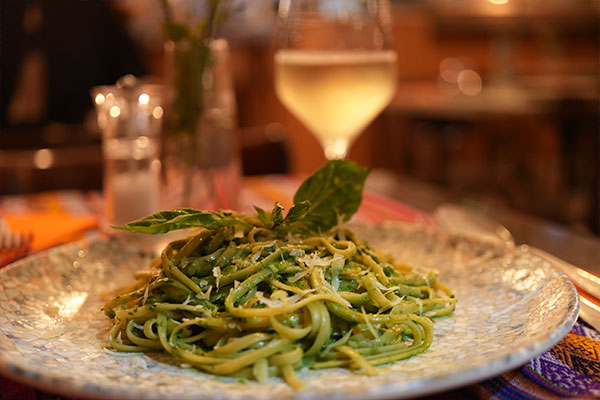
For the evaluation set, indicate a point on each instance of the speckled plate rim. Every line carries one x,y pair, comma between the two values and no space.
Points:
420,387
500,365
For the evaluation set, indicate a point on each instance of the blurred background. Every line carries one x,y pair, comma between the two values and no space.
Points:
497,102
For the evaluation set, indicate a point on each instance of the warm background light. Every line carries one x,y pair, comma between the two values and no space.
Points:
43,158
143,98
497,99
157,112
115,111
469,82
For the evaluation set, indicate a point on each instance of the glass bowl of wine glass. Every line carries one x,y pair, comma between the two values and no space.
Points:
335,68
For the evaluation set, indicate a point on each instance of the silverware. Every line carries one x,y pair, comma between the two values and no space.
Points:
590,283
12,245
589,312
458,219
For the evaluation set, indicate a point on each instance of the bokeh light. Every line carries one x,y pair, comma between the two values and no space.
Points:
469,82
115,111
43,158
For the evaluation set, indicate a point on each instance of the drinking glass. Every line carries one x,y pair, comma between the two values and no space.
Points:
129,115
335,68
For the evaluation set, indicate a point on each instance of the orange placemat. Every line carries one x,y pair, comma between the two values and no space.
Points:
50,228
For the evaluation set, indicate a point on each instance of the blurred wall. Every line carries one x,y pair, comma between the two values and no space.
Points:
497,101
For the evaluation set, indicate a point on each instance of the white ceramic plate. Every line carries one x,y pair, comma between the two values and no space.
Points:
512,306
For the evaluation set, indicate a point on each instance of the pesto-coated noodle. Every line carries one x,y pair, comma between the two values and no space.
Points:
248,301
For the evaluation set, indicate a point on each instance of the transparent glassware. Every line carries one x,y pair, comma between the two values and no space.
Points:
130,117
201,164
335,68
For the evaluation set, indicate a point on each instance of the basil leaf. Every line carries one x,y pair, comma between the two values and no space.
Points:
297,212
335,189
182,218
293,220
264,217
277,214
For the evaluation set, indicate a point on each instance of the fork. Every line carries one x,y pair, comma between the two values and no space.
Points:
13,245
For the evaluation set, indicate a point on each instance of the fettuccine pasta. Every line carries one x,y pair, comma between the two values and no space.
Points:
244,301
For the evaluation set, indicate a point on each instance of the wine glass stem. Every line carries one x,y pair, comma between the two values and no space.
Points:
336,149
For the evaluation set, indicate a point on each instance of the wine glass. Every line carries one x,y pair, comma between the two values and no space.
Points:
335,68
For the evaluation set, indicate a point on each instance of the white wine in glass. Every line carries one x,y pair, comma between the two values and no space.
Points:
335,74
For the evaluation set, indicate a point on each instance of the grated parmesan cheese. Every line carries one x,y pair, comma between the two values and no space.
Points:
314,260
391,305
338,260
116,353
268,302
239,232
380,285
391,290
296,252
337,263
427,280
420,303
205,295
145,295
369,325
327,286
298,276
294,298
256,255
217,275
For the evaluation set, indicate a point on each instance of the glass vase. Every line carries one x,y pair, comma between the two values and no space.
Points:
200,157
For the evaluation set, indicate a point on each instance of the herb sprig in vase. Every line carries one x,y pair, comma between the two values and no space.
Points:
194,160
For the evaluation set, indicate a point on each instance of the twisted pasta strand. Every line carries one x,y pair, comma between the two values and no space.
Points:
258,305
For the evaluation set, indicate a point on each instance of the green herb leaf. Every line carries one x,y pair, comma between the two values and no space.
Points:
277,214
297,212
182,218
264,217
335,189
292,221
175,31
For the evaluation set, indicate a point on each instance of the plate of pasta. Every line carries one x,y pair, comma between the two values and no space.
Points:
299,305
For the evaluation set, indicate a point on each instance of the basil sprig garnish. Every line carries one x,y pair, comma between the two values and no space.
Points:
334,190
